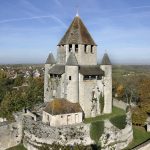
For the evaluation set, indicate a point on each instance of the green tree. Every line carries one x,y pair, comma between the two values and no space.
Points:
18,81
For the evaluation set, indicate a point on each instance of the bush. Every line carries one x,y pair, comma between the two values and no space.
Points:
96,130
101,102
119,121
139,116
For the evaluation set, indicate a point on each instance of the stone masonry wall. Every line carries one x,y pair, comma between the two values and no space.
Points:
114,138
10,134
38,133
119,104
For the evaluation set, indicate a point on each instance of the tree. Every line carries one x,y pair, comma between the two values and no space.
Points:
120,90
25,97
3,74
18,81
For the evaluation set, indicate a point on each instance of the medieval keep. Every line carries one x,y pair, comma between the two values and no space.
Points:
75,85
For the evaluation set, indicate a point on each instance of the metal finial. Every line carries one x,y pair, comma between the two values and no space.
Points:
77,14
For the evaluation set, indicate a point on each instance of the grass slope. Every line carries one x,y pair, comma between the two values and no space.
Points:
119,121
97,129
115,112
140,136
18,147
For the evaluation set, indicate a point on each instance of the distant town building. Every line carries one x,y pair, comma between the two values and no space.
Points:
36,74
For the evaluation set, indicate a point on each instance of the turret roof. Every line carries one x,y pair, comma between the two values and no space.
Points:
72,61
91,70
77,33
57,69
106,60
50,59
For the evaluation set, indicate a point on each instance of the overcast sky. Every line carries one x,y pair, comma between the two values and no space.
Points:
30,29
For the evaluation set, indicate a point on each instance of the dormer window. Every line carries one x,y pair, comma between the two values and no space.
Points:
92,49
85,48
76,48
70,47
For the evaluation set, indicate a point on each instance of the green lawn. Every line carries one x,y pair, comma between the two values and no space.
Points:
96,130
140,135
18,147
115,112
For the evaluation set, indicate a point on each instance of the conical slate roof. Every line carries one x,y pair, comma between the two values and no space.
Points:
72,61
77,33
50,59
106,60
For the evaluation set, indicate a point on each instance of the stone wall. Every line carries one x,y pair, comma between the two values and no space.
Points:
40,133
61,54
62,119
36,133
46,82
114,138
72,84
86,89
119,104
84,57
107,88
10,134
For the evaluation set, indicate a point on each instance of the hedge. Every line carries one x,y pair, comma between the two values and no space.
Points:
119,121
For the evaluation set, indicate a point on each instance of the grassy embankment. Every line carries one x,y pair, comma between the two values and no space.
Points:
115,112
18,147
140,136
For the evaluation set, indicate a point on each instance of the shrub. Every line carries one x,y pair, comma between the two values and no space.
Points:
96,130
119,121
101,103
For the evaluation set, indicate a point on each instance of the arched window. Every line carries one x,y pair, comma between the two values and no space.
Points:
85,48
69,77
92,49
76,48
70,47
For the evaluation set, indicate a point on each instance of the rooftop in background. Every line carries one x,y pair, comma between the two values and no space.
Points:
50,59
72,61
106,60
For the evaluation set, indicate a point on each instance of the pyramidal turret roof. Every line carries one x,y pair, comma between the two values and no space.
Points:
72,61
50,59
77,33
106,60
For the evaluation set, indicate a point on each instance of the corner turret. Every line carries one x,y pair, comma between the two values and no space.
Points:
107,83
48,65
72,79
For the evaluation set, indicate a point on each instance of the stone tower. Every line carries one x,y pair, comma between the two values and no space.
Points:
72,79
78,40
48,65
76,76
107,81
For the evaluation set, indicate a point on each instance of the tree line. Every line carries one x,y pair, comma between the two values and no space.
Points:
14,96
135,90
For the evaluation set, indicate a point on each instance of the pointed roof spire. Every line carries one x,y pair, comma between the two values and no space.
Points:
77,14
77,33
50,59
72,61
106,60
